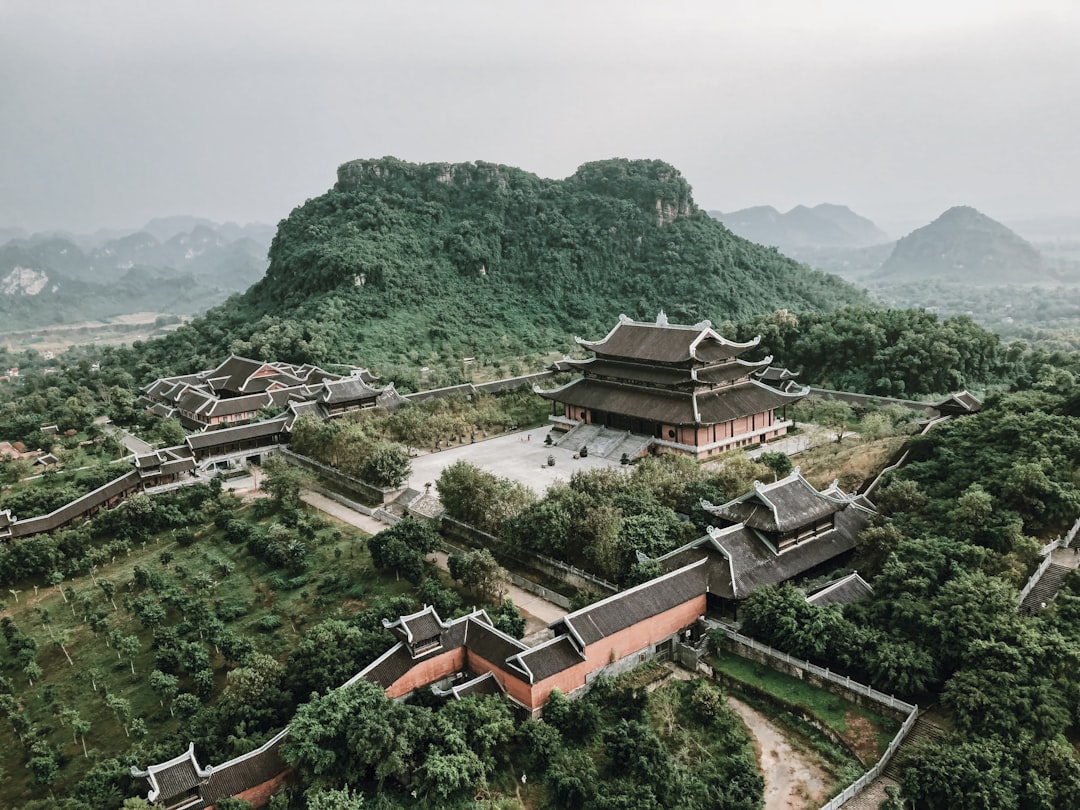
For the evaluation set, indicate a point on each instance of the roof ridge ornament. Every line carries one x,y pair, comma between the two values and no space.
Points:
661,319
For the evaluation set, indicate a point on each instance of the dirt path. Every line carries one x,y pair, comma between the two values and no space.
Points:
793,781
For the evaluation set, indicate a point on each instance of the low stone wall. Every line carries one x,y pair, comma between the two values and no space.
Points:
360,490
869,400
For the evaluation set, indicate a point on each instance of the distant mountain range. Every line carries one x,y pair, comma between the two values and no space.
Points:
177,265
803,229
964,245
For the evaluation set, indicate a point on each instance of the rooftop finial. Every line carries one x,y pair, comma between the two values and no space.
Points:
661,319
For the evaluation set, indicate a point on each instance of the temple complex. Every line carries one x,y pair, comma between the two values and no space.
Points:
685,387
237,390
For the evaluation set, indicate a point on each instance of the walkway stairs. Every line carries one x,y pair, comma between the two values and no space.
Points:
874,794
605,442
1045,589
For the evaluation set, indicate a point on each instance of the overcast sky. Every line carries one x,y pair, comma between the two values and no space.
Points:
116,111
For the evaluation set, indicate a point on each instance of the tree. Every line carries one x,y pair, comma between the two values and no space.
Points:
282,481
479,498
480,572
165,686
331,799
130,647
835,415
779,463
387,465
507,618
402,547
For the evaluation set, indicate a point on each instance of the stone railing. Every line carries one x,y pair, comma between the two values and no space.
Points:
1047,555
547,565
910,711
860,784
898,706
376,496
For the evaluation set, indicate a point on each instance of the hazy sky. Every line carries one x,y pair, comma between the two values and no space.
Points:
116,111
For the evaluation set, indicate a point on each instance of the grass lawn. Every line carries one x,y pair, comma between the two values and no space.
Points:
866,731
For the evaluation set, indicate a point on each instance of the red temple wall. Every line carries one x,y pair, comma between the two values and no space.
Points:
428,672
619,645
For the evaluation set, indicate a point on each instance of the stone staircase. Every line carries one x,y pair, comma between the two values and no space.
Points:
604,442
1045,589
874,794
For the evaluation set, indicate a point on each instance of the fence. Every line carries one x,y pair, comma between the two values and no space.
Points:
824,673
860,784
900,457
910,710
867,400
1047,555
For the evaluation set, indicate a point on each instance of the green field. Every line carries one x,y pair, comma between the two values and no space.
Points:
237,595
849,720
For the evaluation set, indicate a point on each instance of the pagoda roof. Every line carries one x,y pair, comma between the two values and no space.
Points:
213,438
348,389
776,374
671,407
419,626
663,342
783,506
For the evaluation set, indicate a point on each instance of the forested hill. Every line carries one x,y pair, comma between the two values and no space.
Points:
964,245
406,265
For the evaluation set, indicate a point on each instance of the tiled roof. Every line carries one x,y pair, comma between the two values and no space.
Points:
234,405
851,588
744,399
215,438
547,659
349,389
486,684
491,644
785,505
661,342
175,777
246,770
615,613
77,508
671,407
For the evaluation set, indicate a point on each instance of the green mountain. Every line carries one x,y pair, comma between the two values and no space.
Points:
964,245
409,265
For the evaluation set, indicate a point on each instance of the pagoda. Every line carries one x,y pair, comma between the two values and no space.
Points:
684,386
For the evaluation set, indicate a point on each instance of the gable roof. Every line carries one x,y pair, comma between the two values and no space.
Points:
959,403
844,591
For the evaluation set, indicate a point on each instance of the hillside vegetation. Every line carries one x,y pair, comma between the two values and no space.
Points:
422,265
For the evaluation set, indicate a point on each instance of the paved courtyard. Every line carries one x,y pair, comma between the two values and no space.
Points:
520,456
